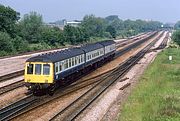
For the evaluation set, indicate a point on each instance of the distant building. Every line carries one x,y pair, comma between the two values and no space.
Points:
73,23
55,25
61,23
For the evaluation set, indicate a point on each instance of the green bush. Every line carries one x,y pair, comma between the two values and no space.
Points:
176,37
20,45
6,43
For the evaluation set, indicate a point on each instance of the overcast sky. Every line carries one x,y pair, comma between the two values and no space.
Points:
52,10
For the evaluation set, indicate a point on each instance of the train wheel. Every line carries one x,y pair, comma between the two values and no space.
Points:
51,90
51,93
35,92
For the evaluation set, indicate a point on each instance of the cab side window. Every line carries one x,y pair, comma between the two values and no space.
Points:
30,68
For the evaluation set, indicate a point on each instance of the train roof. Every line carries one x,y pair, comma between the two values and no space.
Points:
91,47
68,53
57,56
107,42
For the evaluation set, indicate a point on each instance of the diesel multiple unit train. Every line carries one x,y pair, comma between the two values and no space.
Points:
46,71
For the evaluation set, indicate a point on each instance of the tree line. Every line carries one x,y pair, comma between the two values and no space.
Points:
30,33
176,33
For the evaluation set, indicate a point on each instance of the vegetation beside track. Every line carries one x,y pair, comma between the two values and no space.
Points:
157,95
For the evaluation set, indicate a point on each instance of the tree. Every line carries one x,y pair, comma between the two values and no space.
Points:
112,18
52,36
176,37
8,19
80,35
19,44
112,31
69,34
93,26
30,27
75,35
6,43
177,25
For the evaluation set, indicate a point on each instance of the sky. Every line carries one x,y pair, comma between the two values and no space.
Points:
52,10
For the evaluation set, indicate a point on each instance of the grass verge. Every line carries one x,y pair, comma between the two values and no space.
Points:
157,95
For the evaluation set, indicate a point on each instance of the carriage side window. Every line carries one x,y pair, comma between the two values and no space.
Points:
73,61
70,60
30,68
56,67
60,66
77,59
38,69
66,64
80,59
83,57
87,57
46,69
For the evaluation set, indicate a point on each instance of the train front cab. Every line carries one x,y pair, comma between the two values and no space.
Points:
38,75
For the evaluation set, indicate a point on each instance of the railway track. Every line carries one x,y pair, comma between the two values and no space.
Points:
164,42
11,87
73,110
16,107
69,90
131,40
124,50
11,75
